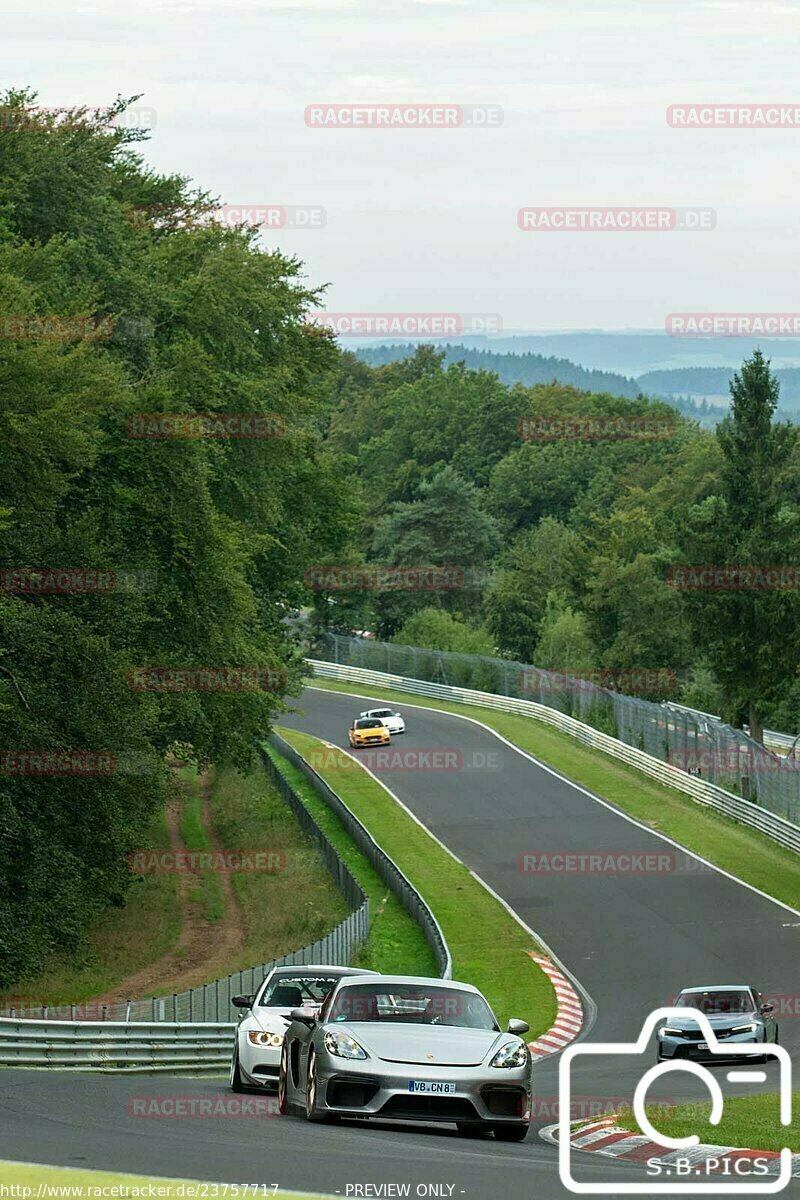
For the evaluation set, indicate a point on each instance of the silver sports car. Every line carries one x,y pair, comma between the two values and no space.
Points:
259,1037
406,1048
737,1014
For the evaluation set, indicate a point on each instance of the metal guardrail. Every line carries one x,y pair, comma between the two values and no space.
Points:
743,811
386,867
112,1046
165,1034
209,1005
698,743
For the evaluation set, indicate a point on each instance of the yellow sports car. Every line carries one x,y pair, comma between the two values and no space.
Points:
368,731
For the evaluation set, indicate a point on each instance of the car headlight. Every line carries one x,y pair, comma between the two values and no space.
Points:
343,1046
668,1031
751,1027
260,1037
513,1054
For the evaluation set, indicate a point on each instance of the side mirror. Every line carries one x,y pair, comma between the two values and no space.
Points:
304,1015
242,1001
767,1008
518,1027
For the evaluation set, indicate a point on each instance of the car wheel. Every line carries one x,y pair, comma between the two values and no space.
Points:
284,1107
473,1129
237,1084
312,1111
510,1133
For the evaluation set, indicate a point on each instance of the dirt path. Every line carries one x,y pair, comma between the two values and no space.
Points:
204,951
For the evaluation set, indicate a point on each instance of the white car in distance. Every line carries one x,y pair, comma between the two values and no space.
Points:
392,720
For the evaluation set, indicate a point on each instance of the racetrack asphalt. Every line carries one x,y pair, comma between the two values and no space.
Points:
632,940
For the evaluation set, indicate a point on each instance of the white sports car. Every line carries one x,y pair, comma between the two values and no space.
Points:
259,1036
392,720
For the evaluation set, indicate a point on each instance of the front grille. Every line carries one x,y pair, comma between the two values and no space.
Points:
266,1070
504,1101
350,1091
431,1108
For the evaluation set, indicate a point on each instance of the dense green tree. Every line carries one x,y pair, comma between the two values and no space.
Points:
749,631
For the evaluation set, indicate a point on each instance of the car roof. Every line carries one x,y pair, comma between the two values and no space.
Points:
422,980
312,969
719,987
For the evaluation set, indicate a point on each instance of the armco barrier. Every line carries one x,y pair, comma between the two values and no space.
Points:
181,1035
140,1047
700,743
388,870
206,1007
746,813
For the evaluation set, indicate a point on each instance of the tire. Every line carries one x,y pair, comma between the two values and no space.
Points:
510,1133
237,1083
312,1111
473,1129
285,1108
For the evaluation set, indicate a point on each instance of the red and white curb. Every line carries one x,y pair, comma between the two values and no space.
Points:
606,1138
570,1012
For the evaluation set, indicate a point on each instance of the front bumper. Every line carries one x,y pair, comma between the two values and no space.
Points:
358,743
259,1065
375,1088
694,1049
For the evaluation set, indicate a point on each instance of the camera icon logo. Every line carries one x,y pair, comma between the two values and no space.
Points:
647,1186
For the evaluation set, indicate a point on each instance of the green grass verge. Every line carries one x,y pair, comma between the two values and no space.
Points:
124,940
749,1122
84,1184
744,852
286,908
208,893
489,948
396,943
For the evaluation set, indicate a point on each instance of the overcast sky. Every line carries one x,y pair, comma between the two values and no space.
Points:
426,220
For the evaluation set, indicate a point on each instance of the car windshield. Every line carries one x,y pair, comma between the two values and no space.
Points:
382,712
411,1004
738,1001
290,991
369,723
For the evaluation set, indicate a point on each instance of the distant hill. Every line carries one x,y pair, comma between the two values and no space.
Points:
627,352
527,369
713,381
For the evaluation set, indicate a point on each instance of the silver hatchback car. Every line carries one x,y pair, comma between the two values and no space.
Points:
407,1048
736,1012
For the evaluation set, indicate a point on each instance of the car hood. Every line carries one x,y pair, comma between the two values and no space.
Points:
269,1018
429,1045
717,1020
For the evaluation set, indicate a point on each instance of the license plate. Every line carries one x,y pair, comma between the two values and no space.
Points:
431,1087
702,1045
